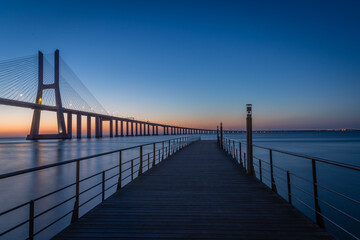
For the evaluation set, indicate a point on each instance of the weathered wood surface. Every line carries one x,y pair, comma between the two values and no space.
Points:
198,193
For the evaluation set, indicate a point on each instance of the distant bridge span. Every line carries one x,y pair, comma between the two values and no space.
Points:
10,78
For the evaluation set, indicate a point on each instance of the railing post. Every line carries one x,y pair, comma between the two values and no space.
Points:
148,161
234,149
120,171
141,161
103,186
260,171
154,150
273,186
319,218
163,150
169,149
240,153
132,170
245,161
159,155
31,220
288,185
249,146
75,215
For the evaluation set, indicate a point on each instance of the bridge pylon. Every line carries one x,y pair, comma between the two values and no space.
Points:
35,125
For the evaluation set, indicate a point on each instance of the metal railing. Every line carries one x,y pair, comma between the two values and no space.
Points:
143,162
233,148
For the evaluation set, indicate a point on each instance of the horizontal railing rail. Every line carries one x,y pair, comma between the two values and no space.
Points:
233,148
168,147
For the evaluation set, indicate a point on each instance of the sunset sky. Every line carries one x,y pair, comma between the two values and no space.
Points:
196,63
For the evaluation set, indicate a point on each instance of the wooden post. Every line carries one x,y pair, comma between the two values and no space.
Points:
249,146
221,136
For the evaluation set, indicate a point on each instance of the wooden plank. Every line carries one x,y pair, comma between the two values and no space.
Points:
198,193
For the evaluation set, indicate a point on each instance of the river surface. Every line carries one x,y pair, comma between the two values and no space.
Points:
17,154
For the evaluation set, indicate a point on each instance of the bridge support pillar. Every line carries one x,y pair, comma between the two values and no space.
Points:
97,127
132,128
116,128
136,128
127,128
101,127
78,126
111,128
157,130
148,130
35,125
69,124
121,129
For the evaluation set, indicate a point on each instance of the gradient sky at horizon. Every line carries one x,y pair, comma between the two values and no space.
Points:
196,63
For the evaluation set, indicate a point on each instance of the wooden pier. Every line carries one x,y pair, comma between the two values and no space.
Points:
198,193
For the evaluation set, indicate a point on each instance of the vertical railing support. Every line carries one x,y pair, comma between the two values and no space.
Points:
169,149
234,149
319,218
260,171
120,171
141,161
148,161
31,220
132,170
103,186
154,150
288,185
163,153
75,215
273,186
240,153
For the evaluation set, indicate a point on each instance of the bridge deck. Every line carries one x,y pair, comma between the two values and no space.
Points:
198,193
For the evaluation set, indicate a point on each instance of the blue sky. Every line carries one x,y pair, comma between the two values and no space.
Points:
199,62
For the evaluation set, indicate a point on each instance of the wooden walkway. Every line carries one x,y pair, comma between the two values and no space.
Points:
198,193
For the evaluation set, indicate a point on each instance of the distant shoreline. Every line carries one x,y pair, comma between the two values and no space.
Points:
306,130
243,131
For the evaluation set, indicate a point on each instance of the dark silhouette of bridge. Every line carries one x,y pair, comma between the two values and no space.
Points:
33,82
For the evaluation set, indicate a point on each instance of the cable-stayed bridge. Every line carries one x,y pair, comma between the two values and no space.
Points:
44,82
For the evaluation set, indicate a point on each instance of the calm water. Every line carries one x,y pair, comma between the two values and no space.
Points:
17,154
